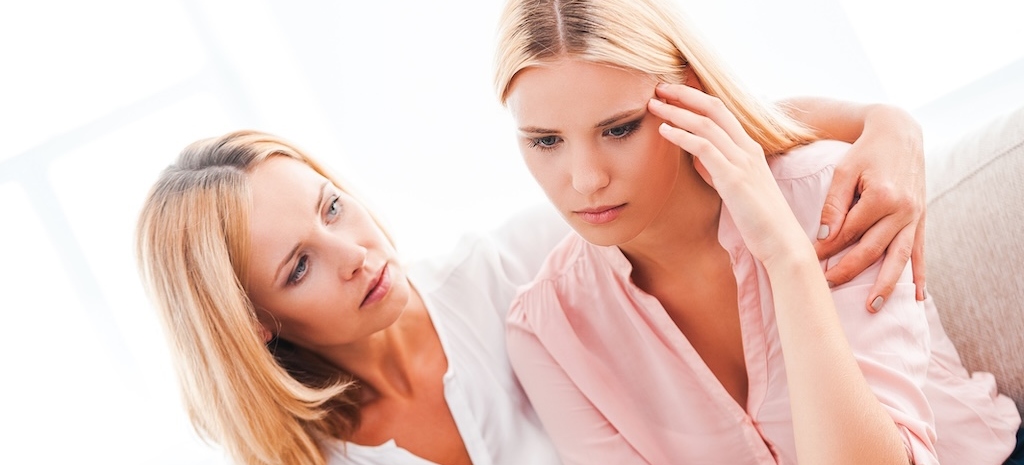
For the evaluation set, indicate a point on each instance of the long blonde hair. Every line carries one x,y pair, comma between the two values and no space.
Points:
641,35
264,403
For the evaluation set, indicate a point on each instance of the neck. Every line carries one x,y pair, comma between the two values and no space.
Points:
686,231
386,361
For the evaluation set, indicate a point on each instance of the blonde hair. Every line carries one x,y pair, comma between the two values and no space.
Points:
264,403
641,35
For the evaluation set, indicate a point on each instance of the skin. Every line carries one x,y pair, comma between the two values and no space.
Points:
344,296
665,208
661,204
888,221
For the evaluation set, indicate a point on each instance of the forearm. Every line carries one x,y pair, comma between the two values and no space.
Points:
848,121
836,416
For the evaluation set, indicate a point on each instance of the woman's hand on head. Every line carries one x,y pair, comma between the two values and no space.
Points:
876,203
735,165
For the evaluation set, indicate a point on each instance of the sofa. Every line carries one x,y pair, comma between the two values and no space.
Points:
974,247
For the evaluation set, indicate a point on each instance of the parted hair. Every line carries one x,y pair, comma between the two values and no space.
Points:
265,403
648,36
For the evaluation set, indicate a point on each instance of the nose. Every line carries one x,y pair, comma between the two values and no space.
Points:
349,256
588,172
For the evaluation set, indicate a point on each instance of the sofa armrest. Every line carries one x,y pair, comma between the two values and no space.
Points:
974,248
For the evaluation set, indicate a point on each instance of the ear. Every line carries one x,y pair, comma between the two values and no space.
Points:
265,333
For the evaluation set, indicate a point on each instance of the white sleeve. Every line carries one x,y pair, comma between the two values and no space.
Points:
524,241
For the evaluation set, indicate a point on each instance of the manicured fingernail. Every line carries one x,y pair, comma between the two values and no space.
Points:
823,232
876,304
831,284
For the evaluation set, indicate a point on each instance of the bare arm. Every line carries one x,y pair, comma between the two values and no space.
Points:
885,171
824,379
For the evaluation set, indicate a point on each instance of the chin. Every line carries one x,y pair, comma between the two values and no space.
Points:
604,236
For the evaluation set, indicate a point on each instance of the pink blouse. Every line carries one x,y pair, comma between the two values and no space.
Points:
615,381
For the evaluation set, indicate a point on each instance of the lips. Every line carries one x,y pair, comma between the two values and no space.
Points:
378,288
600,215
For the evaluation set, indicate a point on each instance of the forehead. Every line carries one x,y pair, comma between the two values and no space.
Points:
280,182
285,194
571,89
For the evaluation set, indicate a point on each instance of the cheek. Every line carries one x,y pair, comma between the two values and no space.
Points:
543,169
655,158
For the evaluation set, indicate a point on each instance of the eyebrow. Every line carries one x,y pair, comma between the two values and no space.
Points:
316,211
605,122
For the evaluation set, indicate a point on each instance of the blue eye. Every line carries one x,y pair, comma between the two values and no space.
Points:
545,143
623,131
334,208
300,270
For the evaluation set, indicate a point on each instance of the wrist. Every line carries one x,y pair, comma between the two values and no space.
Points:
890,119
792,260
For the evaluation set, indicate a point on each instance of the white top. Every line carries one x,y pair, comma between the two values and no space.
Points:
467,294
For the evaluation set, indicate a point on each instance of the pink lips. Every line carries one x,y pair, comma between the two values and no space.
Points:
600,215
379,289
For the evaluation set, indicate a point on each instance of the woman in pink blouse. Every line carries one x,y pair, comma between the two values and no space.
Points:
689,320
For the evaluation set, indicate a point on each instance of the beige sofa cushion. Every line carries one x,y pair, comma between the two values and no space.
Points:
974,248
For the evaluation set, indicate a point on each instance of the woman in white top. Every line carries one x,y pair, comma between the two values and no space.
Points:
299,336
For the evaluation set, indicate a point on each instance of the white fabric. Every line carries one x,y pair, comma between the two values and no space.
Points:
467,294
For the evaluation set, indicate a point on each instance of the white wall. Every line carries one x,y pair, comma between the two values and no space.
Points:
96,97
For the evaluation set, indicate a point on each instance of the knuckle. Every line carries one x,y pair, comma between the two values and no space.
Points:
703,145
888,194
840,274
902,252
872,251
705,124
842,171
832,202
848,236
717,106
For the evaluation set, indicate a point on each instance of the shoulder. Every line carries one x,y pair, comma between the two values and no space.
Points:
506,256
571,261
481,274
804,176
808,160
574,271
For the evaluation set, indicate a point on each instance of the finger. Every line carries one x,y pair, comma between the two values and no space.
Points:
833,214
877,207
687,97
893,265
917,260
710,157
696,124
868,250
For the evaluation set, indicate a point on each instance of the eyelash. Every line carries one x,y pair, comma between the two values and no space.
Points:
629,128
302,267
300,270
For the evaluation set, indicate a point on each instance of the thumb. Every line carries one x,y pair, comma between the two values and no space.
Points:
838,201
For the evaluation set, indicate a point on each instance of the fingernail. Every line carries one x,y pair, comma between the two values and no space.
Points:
876,304
656,102
831,284
662,85
823,232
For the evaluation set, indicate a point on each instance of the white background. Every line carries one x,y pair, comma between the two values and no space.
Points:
96,97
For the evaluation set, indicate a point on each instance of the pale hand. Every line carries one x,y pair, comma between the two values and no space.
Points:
734,165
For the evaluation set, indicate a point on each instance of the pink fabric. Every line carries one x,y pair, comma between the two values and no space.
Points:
615,381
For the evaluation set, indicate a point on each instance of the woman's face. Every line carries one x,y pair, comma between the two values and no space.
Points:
322,273
587,138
